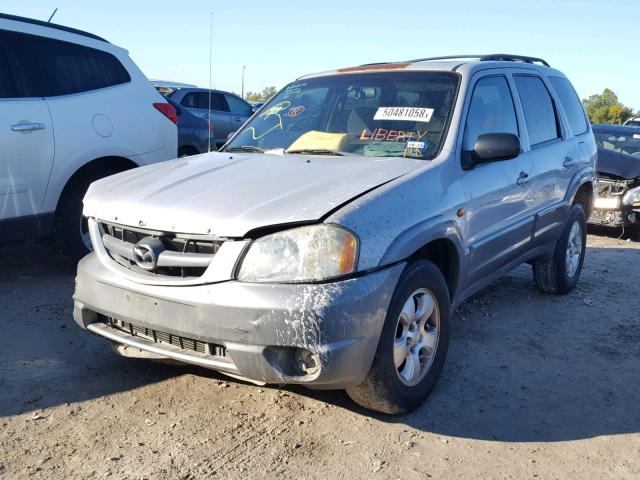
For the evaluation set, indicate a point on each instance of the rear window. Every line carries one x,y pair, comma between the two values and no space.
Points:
571,104
44,67
539,111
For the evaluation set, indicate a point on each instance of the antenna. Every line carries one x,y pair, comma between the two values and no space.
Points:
54,12
210,68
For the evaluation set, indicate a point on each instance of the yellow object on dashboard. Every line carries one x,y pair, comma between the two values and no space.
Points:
314,139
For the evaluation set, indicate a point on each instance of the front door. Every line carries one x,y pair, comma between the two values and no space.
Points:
26,149
499,221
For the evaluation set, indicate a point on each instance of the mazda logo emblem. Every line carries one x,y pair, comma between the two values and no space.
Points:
147,251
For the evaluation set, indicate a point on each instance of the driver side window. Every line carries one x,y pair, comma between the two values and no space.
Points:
491,111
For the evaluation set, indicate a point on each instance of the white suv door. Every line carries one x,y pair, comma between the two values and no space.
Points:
26,157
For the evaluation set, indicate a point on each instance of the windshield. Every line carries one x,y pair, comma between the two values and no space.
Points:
387,114
625,143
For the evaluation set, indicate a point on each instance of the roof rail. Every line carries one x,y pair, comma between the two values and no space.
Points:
496,57
505,57
40,23
446,57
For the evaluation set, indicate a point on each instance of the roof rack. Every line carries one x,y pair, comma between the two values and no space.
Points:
506,57
40,23
496,57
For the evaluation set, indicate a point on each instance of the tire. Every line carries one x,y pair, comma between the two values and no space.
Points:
389,388
68,241
555,275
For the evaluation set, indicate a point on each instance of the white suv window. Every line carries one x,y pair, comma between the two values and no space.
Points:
44,67
7,89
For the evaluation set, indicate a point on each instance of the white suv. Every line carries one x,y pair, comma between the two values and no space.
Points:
73,108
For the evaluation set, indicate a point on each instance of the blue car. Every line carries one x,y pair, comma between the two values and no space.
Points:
227,111
194,131
618,200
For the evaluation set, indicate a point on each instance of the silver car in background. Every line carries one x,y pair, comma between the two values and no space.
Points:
329,241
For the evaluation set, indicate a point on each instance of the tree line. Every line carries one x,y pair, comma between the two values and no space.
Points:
606,108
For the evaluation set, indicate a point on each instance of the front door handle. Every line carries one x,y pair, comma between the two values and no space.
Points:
27,127
524,178
237,119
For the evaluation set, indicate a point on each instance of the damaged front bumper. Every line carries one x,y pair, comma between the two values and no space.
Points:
321,335
608,207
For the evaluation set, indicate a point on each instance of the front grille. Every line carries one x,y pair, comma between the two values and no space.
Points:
190,257
156,336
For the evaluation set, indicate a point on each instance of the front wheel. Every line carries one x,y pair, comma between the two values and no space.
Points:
412,346
560,274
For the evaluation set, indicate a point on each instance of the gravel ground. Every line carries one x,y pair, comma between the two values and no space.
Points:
534,386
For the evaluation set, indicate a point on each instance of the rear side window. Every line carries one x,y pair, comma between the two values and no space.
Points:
491,111
200,100
44,67
7,89
539,111
238,106
571,104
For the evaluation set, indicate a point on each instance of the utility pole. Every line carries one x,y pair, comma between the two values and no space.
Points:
243,69
210,69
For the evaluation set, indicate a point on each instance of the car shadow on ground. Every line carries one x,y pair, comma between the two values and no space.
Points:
527,367
45,359
522,366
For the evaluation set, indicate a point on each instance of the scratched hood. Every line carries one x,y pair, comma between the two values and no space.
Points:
229,195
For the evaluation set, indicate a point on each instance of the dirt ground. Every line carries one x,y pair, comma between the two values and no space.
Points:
535,386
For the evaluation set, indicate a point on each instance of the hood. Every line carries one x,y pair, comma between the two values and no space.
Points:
618,164
229,195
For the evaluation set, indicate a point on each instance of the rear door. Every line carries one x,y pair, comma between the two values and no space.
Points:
500,221
220,115
240,111
554,153
26,143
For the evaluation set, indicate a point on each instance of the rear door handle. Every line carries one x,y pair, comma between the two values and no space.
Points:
27,127
524,178
569,162
236,119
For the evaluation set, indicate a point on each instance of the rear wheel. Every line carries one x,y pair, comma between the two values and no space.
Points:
412,346
560,274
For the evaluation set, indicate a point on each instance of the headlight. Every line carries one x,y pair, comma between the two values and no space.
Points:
317,252
632,196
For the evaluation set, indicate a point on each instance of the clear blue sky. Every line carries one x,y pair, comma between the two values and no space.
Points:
594,43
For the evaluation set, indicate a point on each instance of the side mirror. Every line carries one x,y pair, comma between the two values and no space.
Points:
492,147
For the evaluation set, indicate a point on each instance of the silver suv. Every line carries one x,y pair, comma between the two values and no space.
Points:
330,240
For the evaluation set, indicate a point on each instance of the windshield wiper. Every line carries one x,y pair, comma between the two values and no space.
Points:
245,148
316,151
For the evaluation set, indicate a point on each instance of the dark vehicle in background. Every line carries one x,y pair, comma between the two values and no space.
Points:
193,132
167,87
228,111
618,200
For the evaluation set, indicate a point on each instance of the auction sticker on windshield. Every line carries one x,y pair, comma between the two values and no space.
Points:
411,114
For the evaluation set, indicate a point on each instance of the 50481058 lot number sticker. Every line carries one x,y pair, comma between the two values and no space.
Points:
411,114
